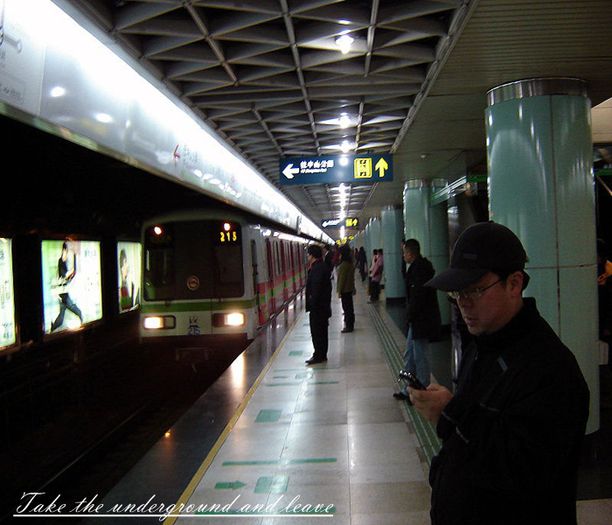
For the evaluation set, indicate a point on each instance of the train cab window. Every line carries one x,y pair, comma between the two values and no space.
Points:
193,260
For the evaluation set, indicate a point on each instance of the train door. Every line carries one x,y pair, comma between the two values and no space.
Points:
270,283
284,271
258,299
293,267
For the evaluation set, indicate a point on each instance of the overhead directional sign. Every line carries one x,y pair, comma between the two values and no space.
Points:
334,169
348,222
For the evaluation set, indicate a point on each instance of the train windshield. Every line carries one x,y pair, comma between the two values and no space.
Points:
193,260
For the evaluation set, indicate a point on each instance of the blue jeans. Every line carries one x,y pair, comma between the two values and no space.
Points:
415,359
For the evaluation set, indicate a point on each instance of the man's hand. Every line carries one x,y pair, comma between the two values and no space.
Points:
431,402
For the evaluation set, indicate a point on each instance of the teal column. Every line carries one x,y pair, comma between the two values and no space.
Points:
376,240
392,231
367,243
428,225
541,186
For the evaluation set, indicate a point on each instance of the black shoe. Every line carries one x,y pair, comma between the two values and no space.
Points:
316,360
346,330
402,397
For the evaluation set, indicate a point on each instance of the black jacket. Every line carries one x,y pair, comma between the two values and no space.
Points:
422,313
319,289
512,433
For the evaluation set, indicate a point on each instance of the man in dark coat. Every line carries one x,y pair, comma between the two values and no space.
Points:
318,303
422,315
512,431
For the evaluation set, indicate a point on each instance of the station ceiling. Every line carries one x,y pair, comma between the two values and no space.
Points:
270,78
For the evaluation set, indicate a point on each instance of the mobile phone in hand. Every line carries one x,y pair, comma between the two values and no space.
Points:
412,380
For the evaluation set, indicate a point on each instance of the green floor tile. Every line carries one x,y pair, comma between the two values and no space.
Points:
268,416
272,485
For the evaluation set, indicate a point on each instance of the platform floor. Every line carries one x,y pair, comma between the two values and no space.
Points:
329,435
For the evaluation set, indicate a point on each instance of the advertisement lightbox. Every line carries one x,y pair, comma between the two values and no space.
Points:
128,270
72,284
7,302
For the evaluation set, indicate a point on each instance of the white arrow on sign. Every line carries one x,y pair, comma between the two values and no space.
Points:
290,171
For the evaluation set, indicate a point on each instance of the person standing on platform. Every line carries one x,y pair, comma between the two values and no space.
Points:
318,303
422,314
512,432
362,263
328,258
376,271
345,287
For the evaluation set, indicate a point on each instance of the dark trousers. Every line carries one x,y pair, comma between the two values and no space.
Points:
318,332
349,311
374,290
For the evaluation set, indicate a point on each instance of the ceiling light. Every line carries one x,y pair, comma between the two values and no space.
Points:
344,42
346,146
345,121
58,91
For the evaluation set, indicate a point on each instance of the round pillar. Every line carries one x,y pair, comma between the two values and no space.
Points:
541,186
392,231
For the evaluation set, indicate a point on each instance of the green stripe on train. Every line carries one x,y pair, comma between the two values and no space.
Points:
200,306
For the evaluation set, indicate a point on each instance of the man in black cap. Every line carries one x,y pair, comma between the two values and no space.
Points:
318,303
512,431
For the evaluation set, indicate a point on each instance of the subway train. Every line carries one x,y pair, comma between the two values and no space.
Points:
211,278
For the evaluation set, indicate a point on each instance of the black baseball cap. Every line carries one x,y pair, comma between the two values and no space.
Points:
481,248
315,251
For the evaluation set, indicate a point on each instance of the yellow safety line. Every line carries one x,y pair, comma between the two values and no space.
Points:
197,477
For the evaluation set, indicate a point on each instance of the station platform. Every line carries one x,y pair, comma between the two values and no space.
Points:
319,440
325,443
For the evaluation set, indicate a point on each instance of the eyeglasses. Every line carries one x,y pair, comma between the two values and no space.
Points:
474,293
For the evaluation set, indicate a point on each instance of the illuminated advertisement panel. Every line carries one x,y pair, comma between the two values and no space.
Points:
128,270
72,285
7,303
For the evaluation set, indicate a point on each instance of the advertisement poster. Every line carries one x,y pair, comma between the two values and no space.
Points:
72,285
7,303
128,270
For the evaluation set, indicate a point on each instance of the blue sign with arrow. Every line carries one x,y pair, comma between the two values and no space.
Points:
334,169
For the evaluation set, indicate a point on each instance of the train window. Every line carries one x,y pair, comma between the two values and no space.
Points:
193,261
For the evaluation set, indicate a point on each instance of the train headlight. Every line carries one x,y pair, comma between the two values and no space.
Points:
231,319
159,322
234,319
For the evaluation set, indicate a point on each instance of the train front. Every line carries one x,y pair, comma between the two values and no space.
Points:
195,292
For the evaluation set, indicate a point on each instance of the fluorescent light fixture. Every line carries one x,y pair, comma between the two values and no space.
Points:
57,91
345,121
344,42
104,118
